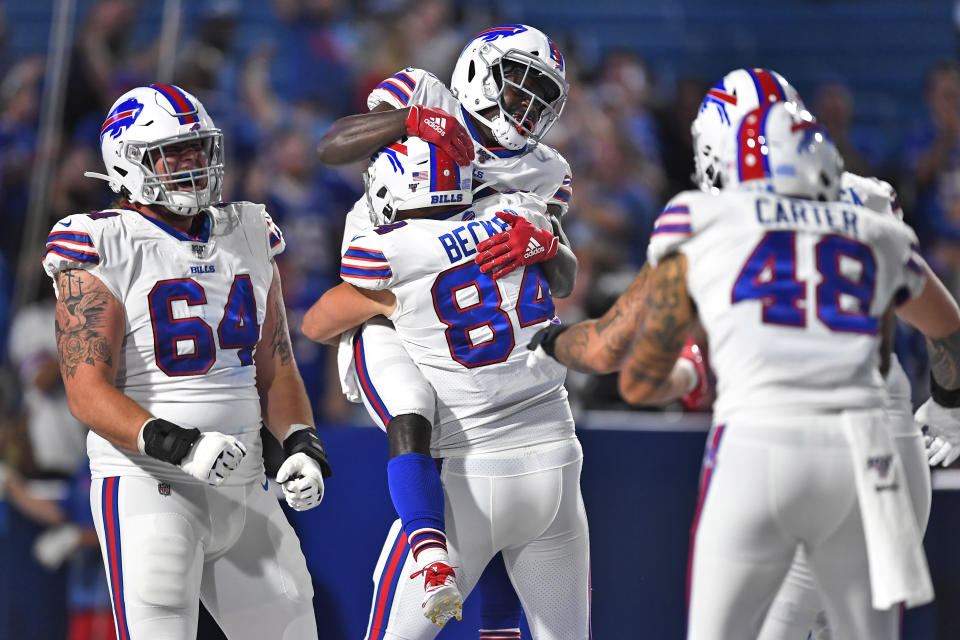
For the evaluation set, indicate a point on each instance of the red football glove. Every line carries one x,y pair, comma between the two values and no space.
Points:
691,352
438,127
518,246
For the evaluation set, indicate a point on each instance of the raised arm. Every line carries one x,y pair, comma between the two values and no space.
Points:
357,137
600,345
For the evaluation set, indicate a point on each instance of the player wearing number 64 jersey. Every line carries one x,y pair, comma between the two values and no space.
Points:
511,459
173,345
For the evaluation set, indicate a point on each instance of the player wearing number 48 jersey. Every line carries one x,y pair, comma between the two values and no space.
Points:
173,345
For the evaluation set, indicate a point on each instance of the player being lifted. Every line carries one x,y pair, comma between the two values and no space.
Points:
511,459
173,344
508,89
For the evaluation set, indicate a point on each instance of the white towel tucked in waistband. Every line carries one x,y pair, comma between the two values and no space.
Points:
347,367
898,567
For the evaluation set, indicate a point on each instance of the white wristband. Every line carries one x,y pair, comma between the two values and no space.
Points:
294,428
141,443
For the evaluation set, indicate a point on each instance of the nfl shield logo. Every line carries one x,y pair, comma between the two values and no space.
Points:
163,488
198,250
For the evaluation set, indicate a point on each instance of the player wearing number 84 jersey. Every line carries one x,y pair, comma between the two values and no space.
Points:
462,328
511,459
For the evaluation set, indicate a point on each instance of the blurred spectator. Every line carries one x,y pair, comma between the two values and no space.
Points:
314,52
58,440
676,141
933,157
310,205
833,105
103,64
19,105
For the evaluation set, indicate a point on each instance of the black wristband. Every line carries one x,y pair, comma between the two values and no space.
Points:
547,339
166,441
306,441
944,397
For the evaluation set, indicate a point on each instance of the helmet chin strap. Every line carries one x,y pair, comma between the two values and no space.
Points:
111,182
504,131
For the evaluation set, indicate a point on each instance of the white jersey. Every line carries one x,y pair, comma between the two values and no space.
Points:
194,307
791,294
872,193
540,169
466,332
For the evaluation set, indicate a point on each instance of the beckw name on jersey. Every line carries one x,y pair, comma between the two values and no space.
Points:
462,241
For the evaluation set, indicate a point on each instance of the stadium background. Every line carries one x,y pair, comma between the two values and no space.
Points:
274,74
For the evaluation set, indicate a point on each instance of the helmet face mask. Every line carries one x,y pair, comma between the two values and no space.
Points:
782,149
505,67
161,148
725,104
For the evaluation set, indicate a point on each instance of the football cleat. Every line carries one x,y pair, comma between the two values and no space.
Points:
441,597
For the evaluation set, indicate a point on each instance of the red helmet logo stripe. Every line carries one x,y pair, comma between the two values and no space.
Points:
768,87
752,162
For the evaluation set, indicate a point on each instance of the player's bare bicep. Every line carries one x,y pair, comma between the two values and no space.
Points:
276,330
89,323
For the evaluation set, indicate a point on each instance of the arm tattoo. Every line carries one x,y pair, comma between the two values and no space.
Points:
80,323
281,335
665,324
945,360
611,335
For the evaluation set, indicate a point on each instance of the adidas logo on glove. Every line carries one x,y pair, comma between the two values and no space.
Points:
438,124
533,248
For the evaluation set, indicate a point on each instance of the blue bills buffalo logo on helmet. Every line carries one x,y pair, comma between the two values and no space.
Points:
503,31
121,118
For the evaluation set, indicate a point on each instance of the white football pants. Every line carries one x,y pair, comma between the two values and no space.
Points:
166,546
529,508
764,492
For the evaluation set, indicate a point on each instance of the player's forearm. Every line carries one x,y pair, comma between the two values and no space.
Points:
601,345
357,137
561,272
342,308
106,411
649,390
583,348
285,403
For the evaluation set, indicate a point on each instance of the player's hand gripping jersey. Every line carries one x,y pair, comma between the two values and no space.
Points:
467,332
194,310
812,281
540,169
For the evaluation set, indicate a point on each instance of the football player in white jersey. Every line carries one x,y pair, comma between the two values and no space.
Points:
505,433
797,611
507,90
174,345
791,288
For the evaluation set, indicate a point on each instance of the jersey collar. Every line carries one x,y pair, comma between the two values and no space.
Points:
201,236
500,152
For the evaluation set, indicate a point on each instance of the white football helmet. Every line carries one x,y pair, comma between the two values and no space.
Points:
414,174
144,122
511,55
781,148
740,91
